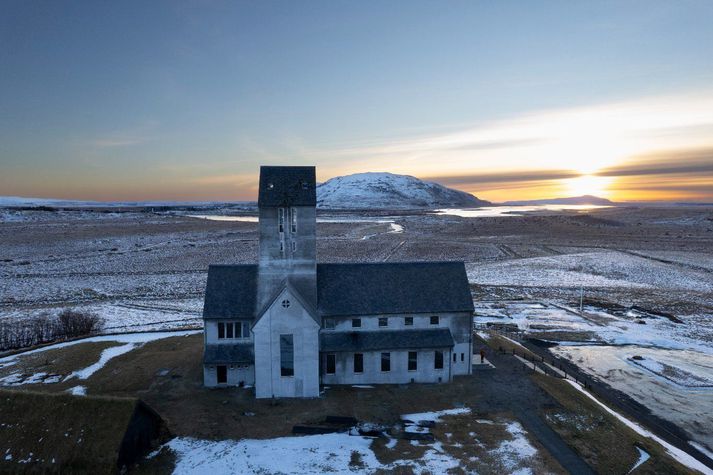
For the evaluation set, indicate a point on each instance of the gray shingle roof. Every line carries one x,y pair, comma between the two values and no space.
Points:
231,292
399,287
385,340
228,354
287,186
351,289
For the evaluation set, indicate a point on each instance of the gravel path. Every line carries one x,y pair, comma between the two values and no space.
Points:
507,388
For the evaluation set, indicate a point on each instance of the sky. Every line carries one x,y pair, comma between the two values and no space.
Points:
508,100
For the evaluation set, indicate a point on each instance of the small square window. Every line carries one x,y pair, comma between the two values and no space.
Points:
435,320
383,322
356,322
408,321
329,324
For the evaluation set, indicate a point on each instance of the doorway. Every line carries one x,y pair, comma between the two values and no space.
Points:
222,374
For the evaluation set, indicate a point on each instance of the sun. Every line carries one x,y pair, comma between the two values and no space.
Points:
588,185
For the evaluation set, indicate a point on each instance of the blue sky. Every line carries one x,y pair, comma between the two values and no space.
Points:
184,100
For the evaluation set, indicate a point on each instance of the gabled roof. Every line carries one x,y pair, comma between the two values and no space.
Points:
287,186
351,289
228,353
392,287
286,285
385,340
231,291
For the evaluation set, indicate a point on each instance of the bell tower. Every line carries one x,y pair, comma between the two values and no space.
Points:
287,201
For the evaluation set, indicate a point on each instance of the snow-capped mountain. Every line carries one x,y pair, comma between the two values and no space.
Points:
388,191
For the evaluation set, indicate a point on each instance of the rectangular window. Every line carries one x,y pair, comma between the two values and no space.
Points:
282,246
358,363
386,362
329,324
438,360
222,374
383,322
434,320
242,330
356,322
281,220
229,330
293,220
331,363
287,355
455,355
221,330
294,246
408,321
462,357
412,361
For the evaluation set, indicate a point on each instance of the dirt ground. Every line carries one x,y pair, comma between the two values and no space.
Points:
167,374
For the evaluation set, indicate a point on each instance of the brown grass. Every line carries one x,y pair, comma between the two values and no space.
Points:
60,361
61,433
604,442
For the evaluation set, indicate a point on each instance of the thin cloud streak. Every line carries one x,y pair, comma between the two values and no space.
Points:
675,162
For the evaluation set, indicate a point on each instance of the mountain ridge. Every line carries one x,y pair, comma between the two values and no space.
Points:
383,190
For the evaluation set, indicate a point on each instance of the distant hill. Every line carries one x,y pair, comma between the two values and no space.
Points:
380,190
573,200
23,202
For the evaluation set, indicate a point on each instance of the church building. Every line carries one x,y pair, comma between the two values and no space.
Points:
289,324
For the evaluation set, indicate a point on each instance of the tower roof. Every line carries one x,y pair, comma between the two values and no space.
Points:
287,186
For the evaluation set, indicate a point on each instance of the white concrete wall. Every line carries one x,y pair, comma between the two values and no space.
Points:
295,321
460,325
399,374
236,374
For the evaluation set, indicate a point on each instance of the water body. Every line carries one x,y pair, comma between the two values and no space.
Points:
491,211
393,227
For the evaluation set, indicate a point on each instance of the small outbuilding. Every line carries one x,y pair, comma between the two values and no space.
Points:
61,433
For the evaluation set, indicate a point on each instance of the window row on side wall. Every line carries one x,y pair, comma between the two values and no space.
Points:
330,323
385,360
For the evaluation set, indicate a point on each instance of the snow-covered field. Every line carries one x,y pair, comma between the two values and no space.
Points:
591,269
673,365
342,453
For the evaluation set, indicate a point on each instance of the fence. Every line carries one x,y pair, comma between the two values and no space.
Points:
613,398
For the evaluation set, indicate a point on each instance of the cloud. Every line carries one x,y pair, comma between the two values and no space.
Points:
506,177
670,162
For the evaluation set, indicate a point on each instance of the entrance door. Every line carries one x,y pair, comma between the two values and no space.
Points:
222,374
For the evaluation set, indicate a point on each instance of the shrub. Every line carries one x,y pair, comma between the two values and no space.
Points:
45,328
76,323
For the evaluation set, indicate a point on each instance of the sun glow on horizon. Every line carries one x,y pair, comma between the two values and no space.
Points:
588,185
